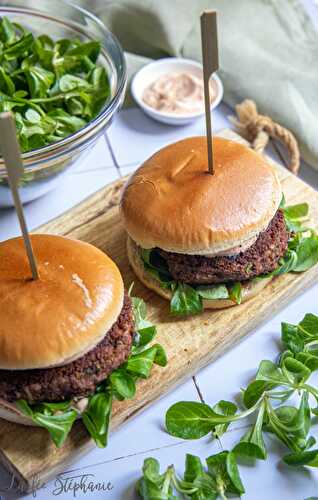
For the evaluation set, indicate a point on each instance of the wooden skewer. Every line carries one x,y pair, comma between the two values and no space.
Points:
12,157
210,60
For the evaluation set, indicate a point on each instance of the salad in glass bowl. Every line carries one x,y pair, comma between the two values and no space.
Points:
63,78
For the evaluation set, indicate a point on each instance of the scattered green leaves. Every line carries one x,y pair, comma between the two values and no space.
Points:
199,483
265,399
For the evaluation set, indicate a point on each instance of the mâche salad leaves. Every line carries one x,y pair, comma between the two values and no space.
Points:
301,255
218,477
54,88
282,400
58,418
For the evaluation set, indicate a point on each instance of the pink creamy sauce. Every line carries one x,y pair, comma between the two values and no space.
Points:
179,93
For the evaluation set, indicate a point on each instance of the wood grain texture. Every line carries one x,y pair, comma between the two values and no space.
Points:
190,343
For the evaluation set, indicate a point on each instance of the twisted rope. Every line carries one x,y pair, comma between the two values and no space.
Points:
258,129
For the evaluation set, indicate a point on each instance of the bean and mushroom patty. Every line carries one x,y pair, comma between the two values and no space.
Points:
260,258
76,379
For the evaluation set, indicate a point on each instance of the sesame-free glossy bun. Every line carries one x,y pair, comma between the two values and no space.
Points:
60,317
249,288
172,202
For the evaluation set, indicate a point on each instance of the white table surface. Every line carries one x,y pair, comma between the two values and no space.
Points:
131,139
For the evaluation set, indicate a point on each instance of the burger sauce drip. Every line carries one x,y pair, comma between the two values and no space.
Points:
178,93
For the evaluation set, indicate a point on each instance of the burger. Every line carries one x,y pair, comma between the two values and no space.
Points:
64,337
210,241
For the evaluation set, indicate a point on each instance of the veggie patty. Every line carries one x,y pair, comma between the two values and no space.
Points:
78,378
260,258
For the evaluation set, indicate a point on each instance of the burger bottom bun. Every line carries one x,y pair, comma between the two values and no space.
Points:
249,288
8,411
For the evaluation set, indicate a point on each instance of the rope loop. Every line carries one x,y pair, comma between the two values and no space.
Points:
258,129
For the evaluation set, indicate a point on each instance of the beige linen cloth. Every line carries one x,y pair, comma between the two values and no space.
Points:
268,51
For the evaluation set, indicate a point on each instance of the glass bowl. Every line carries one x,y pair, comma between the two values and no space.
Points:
44,167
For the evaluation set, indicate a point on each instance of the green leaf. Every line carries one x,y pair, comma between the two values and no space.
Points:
8,33
141,364
189,420
235,292
223,468
197,484
309,325
69,82
185,301
39,80
291,425
89,49
58,426
286,264
24,407
255,391
223,408
56,418
6,83
151,470
153,485
307,254
96,417
296,212
233,473
269,372
252,443
292,338
302,420
294,215
309,458
309,360
297,371
213,292
193,468
17,49
123,384
282,201
286,414
146,331
160,357
51,408
32,116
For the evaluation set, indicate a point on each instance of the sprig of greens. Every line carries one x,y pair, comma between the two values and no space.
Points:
302,253
54,88
219,478
266,398
58,418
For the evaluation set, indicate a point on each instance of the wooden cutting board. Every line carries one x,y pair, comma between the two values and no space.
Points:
190,343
